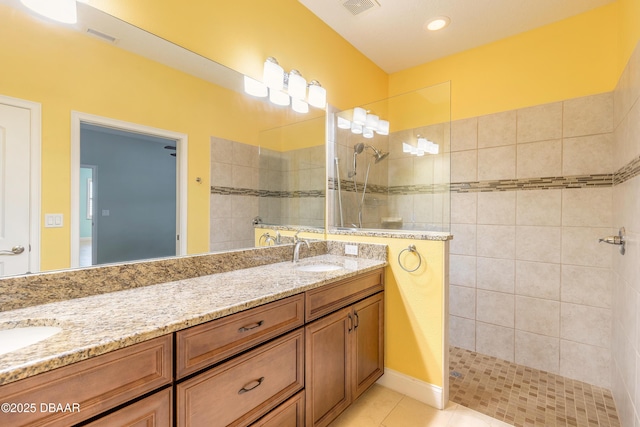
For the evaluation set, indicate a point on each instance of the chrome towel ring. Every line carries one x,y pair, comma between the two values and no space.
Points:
410,249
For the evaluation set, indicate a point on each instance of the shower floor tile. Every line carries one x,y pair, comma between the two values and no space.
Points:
524,396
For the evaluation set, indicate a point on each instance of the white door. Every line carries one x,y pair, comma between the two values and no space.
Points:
15,140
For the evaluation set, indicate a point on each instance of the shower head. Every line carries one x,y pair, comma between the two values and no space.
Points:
377,154
358,148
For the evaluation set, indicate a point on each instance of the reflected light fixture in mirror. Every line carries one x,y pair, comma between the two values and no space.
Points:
286,88
363,122
59,10
424,146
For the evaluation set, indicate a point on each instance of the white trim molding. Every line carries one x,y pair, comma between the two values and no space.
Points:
417,389
35,187
181,179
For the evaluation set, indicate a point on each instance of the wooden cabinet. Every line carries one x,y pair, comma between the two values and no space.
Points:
289,414
152,411
94,385
241,390
209,343
344,356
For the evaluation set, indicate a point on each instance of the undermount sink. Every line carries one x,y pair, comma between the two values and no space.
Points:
17,338
318,268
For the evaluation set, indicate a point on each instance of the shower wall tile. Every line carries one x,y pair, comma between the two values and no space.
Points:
464,166
400,171
497,129
587,285
539,159
497,163
245,155
539,316
539,123
537,243
464,208
537,351
497,208
464,134
586,325
221,174
221,150
244,177
462,332
588,115
587,207
462,270
462,301
496,274
538,280
587,155
464,242
539,207
589,363
580,247
496,341
496,308
496,241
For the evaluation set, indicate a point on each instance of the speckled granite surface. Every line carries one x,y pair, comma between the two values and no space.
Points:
393,234
97,324
29,290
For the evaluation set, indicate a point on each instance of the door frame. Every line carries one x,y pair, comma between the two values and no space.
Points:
35,186
181,174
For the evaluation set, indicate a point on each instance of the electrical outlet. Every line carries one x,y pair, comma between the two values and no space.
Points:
351,249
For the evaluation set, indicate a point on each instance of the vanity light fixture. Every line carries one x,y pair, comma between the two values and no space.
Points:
424,146
59,10
286,88
437,23
361,121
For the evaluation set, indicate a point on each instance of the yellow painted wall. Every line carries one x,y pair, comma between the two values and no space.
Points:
415,316
241,34
629,24
567,59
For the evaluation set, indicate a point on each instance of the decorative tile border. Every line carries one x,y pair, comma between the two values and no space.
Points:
629,171
232,191
546,183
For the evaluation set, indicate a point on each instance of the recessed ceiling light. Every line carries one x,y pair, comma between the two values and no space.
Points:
437,23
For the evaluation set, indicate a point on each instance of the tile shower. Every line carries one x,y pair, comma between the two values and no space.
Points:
248,181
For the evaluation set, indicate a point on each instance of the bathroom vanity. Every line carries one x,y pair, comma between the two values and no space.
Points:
275,345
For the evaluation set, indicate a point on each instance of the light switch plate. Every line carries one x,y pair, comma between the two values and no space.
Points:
351,249
53,220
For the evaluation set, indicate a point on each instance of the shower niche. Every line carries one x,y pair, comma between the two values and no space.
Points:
391,172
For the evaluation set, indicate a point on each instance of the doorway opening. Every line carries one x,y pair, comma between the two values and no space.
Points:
128,195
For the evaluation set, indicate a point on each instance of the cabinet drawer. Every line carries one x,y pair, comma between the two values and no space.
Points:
241,390
329,298
289,414
95,385
152,411
204,345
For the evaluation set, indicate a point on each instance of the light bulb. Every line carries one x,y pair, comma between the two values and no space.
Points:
406,148
371,122
273,74
317,95
356,128
299,106
367,133
359,116
383,127
297,86
343,123
254,87
278,97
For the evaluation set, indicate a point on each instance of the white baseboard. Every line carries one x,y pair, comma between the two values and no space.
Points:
422,391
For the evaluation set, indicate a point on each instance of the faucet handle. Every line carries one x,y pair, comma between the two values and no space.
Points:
295,237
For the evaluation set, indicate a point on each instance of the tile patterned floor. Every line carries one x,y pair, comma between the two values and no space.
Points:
523,396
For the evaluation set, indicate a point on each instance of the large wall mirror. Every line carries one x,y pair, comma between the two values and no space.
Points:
118,106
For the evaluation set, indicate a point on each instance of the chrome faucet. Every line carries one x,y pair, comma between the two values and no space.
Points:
296,249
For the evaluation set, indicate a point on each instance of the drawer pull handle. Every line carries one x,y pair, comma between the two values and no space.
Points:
253,384
357,321
251,326
350,327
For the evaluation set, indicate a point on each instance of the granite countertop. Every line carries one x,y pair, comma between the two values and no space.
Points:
99,324
392,233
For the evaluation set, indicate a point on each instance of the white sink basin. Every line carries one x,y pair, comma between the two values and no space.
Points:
17,338
318,268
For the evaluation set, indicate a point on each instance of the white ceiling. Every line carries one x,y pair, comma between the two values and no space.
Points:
392,36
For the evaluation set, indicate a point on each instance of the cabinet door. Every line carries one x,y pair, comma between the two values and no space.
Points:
368,343
327,378
152,411
289,414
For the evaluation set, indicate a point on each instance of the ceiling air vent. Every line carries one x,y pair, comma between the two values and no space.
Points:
356,7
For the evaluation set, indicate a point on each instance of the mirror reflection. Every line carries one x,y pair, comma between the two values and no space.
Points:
107,70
